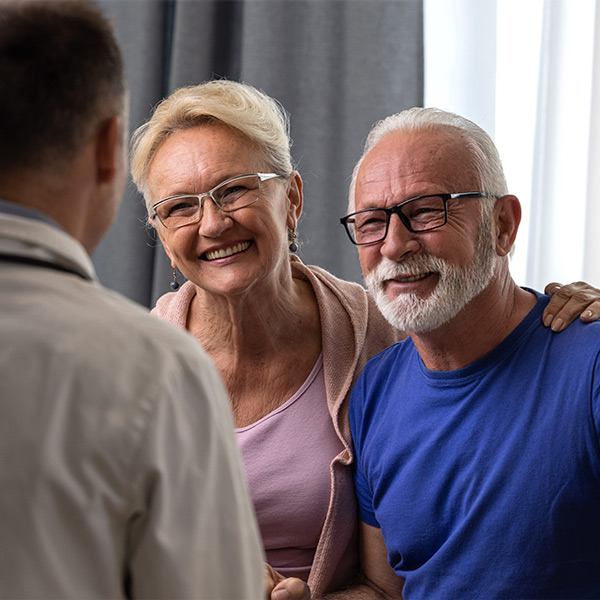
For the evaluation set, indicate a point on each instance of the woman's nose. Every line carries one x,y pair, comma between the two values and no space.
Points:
213,220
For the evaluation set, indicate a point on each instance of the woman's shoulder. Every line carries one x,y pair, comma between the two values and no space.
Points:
322,277
340,300
173,307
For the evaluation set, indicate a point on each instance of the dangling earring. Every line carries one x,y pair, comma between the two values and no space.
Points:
174,284
292,237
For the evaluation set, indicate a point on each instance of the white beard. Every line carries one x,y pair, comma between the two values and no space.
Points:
456,287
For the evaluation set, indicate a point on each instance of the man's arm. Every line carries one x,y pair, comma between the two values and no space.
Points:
379,577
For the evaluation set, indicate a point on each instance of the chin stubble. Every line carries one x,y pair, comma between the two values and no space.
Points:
456,287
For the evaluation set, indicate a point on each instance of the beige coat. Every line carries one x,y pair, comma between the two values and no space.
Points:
119,466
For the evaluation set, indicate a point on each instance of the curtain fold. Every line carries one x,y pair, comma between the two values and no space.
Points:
560,202
591,254
337,66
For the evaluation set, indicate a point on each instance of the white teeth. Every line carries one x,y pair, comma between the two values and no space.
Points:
414,278
224,252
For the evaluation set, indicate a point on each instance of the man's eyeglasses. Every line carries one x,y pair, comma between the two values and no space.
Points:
420,214
233,194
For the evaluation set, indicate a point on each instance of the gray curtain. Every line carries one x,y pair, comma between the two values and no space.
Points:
337,66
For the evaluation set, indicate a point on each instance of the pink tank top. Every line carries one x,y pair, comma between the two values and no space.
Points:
287,456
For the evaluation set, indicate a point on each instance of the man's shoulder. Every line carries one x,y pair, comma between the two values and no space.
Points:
127,319
391,357
402,348
577,338
578,345
91,351
90,324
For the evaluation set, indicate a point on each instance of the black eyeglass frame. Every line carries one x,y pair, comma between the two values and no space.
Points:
261,177
397,209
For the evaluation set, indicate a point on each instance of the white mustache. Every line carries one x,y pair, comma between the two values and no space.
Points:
411,269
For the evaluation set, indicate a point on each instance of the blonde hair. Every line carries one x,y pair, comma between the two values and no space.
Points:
257,116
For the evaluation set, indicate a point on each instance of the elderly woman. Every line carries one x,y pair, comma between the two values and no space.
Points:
289,340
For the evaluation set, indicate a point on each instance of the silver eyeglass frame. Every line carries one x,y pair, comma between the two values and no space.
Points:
261,177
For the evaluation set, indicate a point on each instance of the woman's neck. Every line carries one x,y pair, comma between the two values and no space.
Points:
262,322
263,346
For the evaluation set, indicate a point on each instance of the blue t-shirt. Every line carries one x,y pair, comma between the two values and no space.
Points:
485,481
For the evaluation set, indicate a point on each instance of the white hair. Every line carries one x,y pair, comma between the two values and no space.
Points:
485,162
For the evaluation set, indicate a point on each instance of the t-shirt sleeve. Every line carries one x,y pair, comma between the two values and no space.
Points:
361,482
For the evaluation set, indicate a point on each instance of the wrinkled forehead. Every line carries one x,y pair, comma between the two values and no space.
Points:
194,160
412,163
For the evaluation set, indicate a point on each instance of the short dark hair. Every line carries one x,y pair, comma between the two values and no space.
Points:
61,74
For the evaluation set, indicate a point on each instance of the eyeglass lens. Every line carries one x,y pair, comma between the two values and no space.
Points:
421,214
228,196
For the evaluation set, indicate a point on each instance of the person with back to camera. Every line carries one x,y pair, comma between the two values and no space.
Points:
289,340
489,486
120,475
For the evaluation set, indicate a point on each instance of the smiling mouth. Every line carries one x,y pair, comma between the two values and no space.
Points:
412,278
225,252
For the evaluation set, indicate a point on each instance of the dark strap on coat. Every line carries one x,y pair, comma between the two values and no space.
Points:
38,262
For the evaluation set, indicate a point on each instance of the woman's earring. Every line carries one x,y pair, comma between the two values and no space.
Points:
292,237
174,284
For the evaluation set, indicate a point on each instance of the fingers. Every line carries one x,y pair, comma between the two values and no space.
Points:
272,578
278,587
591,313
568,302
552,287
291,588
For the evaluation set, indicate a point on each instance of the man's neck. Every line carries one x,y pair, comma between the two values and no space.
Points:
480,327
60,192
20,210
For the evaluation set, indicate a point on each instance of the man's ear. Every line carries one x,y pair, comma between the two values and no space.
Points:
109,151
294,195
507,216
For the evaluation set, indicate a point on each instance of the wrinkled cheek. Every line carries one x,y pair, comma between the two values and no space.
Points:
368,260
183,246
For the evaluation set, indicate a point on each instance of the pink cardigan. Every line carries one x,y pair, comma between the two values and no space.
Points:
352,331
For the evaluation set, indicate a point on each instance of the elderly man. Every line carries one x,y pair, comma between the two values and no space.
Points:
120,475
477,439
